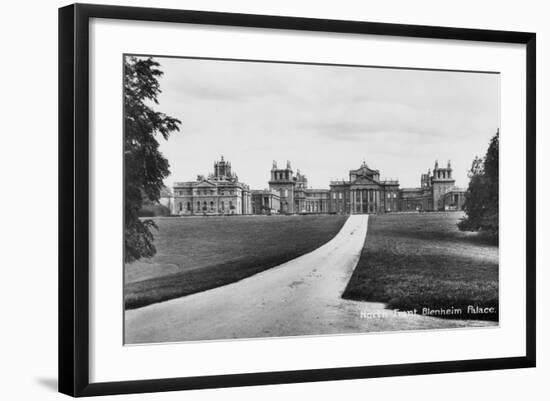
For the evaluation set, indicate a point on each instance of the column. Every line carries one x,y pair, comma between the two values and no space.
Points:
352,203
360,201
369,198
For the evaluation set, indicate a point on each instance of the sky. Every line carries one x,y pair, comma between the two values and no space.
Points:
326,120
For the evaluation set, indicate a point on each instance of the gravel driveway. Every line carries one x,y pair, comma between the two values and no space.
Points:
300,297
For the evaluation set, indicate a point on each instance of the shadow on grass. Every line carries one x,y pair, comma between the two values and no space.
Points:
205,253
432,226
466,237
177,285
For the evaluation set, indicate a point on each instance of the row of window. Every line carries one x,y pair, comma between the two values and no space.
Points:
281,175
183,193
339,195
205,206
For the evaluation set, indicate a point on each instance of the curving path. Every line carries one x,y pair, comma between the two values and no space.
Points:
299,297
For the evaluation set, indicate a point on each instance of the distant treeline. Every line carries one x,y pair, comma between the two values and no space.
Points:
482,203
150,209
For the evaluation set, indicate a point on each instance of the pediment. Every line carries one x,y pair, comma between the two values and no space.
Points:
364,181
206,184
364,170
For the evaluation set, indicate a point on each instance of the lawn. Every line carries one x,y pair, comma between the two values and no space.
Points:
200,253
415,261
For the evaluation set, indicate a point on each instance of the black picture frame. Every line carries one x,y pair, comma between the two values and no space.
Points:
74,198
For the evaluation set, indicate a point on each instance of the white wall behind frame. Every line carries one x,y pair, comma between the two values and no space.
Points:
29,32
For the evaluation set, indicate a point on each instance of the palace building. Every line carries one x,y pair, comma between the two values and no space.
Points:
295,195
437,191
363,192
266,201
218,194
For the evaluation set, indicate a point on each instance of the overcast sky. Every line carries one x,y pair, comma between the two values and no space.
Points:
325,119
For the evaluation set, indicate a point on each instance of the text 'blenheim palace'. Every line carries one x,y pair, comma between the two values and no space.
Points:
222,193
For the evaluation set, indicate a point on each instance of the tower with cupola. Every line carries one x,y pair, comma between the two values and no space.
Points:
222,170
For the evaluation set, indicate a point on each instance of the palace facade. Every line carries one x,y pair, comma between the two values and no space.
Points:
218,194
288,193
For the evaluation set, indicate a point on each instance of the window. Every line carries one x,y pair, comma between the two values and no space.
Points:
389,195
181,207
223,205
334,195
188,206
340,195
211,205
198,206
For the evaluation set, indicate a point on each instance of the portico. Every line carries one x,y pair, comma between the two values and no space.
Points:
365,199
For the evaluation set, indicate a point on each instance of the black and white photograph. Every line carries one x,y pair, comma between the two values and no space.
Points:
266,201
280,199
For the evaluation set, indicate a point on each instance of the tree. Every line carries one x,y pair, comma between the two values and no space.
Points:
481,203
145,166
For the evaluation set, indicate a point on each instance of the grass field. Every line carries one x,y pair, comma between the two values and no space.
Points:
423,261
197,254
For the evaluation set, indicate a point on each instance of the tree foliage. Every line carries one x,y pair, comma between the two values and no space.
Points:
145,166
481,203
